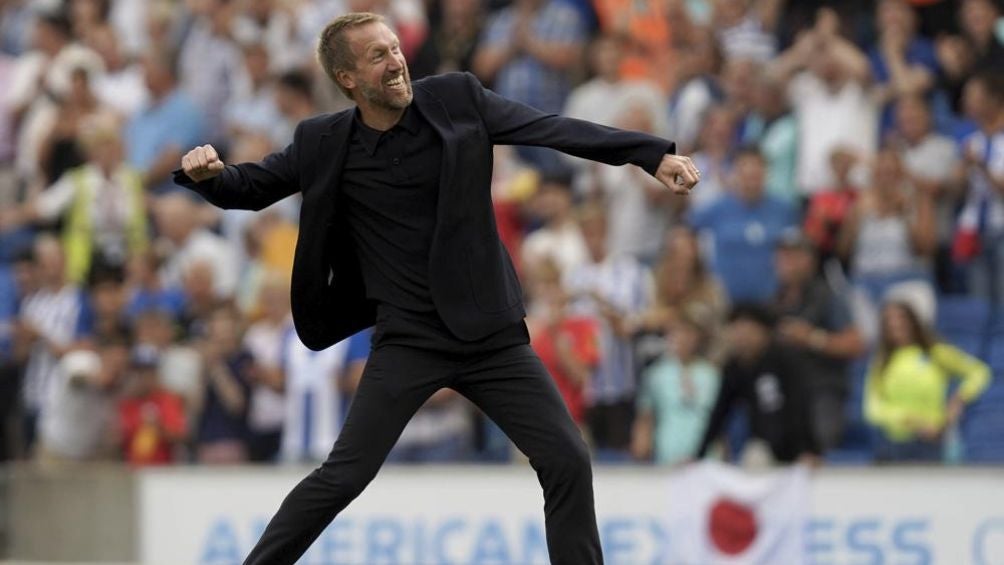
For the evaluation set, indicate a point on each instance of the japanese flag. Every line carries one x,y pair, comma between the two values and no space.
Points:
722,515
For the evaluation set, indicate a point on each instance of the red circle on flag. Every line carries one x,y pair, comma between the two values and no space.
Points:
732,526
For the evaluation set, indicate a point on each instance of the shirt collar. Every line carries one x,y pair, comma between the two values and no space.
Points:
370,138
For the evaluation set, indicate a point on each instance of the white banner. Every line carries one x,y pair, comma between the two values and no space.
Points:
494,515
723,516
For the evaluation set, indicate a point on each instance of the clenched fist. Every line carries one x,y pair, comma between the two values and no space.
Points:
678,173
202,163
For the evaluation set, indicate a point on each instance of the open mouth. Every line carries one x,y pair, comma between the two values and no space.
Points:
397,83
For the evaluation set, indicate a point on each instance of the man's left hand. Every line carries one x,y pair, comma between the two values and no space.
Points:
678,173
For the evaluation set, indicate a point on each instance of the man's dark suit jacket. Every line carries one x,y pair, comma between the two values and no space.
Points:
472,280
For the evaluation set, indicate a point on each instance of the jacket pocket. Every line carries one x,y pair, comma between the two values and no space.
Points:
493,277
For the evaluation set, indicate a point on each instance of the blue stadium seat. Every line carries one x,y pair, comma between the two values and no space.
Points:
962,314
983,425
965,322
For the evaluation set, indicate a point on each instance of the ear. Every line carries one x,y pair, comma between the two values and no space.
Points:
345,79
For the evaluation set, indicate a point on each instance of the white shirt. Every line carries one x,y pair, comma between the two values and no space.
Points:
635,223
54,314
564,245
268,407
75,418
828,120
313,402
204,246
124,90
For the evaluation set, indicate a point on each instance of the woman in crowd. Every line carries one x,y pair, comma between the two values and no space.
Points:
906,387
889,238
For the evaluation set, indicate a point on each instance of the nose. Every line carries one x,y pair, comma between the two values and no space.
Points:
396,62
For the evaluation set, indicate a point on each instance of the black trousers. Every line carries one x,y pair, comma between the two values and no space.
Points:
510,385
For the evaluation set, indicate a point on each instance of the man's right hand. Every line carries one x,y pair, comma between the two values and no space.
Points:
202,163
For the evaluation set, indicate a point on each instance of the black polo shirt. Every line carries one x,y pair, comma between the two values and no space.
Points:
390,188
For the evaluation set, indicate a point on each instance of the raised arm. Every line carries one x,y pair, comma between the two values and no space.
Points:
512,123
247,186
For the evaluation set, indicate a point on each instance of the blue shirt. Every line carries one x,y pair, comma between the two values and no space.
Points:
174,121
920,52
525,78
743,240
8,310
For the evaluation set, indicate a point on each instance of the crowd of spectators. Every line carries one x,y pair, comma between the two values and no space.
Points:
852,158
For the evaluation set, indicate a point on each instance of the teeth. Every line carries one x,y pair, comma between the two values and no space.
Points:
395,82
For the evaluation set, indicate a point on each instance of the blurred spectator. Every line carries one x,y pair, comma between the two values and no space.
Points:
60,146
48,326
264,340
560,238
441,431
253,109
43,76
902,62
179,366
567,344
121,86
16,26
201,298
745,226
10,367
608,97
773,128
222,432
980,238
830,93
147,290
314,383
209,64
170,121
889,239
178,224
103,314
513,185
930,159
79,407
102,204
528,53
643,31
696,87
907,386
980,21
270,24
816,324
452,39
676,396
759,374
714,156
617,290
295,100
151,419
745,28
683,284
637,204
829,208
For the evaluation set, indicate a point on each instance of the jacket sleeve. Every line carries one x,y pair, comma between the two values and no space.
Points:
513,123
251,186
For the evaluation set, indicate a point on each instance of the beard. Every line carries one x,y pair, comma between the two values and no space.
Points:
377,95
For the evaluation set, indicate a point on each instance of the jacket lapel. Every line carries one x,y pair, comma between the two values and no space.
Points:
434,112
